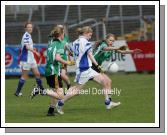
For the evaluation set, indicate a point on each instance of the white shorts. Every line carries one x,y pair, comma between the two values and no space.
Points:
27,66
83,77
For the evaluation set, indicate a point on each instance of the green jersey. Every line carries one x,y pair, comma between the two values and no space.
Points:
100,55
53,66
50,40
64,42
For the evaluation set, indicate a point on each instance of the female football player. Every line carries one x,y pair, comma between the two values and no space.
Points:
82,50
104,50
55,51
27,60
64,75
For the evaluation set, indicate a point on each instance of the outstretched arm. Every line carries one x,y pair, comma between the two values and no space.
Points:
110,48
130,51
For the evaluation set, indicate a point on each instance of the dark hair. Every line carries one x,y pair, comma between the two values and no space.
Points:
26,23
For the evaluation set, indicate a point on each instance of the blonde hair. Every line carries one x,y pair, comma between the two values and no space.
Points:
85,29
98,43
59,25
56,32
110,35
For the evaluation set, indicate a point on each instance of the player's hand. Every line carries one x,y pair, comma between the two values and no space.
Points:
70,63
124,47
70,53
38,54
100,69
137,50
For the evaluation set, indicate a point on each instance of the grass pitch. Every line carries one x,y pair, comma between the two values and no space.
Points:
137,98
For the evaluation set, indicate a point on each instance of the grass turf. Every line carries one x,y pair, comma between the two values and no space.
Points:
137,98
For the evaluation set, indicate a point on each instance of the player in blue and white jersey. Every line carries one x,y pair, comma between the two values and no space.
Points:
82,51
27,60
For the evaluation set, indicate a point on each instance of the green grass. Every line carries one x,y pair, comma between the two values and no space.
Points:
137,98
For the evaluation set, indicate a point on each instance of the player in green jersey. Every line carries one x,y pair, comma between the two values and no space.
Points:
61,49
52,70
104,50
64,75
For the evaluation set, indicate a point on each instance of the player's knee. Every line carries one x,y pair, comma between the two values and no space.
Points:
104,82
62,74
60,92
24,77
109,81
60,96
64,77
37,74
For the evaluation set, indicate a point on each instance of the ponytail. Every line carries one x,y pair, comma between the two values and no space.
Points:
79,31
56,32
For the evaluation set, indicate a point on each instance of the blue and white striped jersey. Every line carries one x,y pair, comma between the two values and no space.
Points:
80,48
26,55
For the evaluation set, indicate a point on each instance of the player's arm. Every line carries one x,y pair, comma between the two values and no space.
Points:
90,55
69,56
69,53
67,47
26,40
92,58
110,48
59,59
130,51
28,47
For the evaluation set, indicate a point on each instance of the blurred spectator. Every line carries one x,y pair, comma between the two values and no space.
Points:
148,28
143,36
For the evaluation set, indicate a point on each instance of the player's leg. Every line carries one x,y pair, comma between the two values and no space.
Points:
53,102
48,91
73,91
25,69
59,90
106,83
109,84
65,77
81,78
52,107
37,76
101,79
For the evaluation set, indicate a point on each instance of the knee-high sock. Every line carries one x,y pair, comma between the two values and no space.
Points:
39,82
20,85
